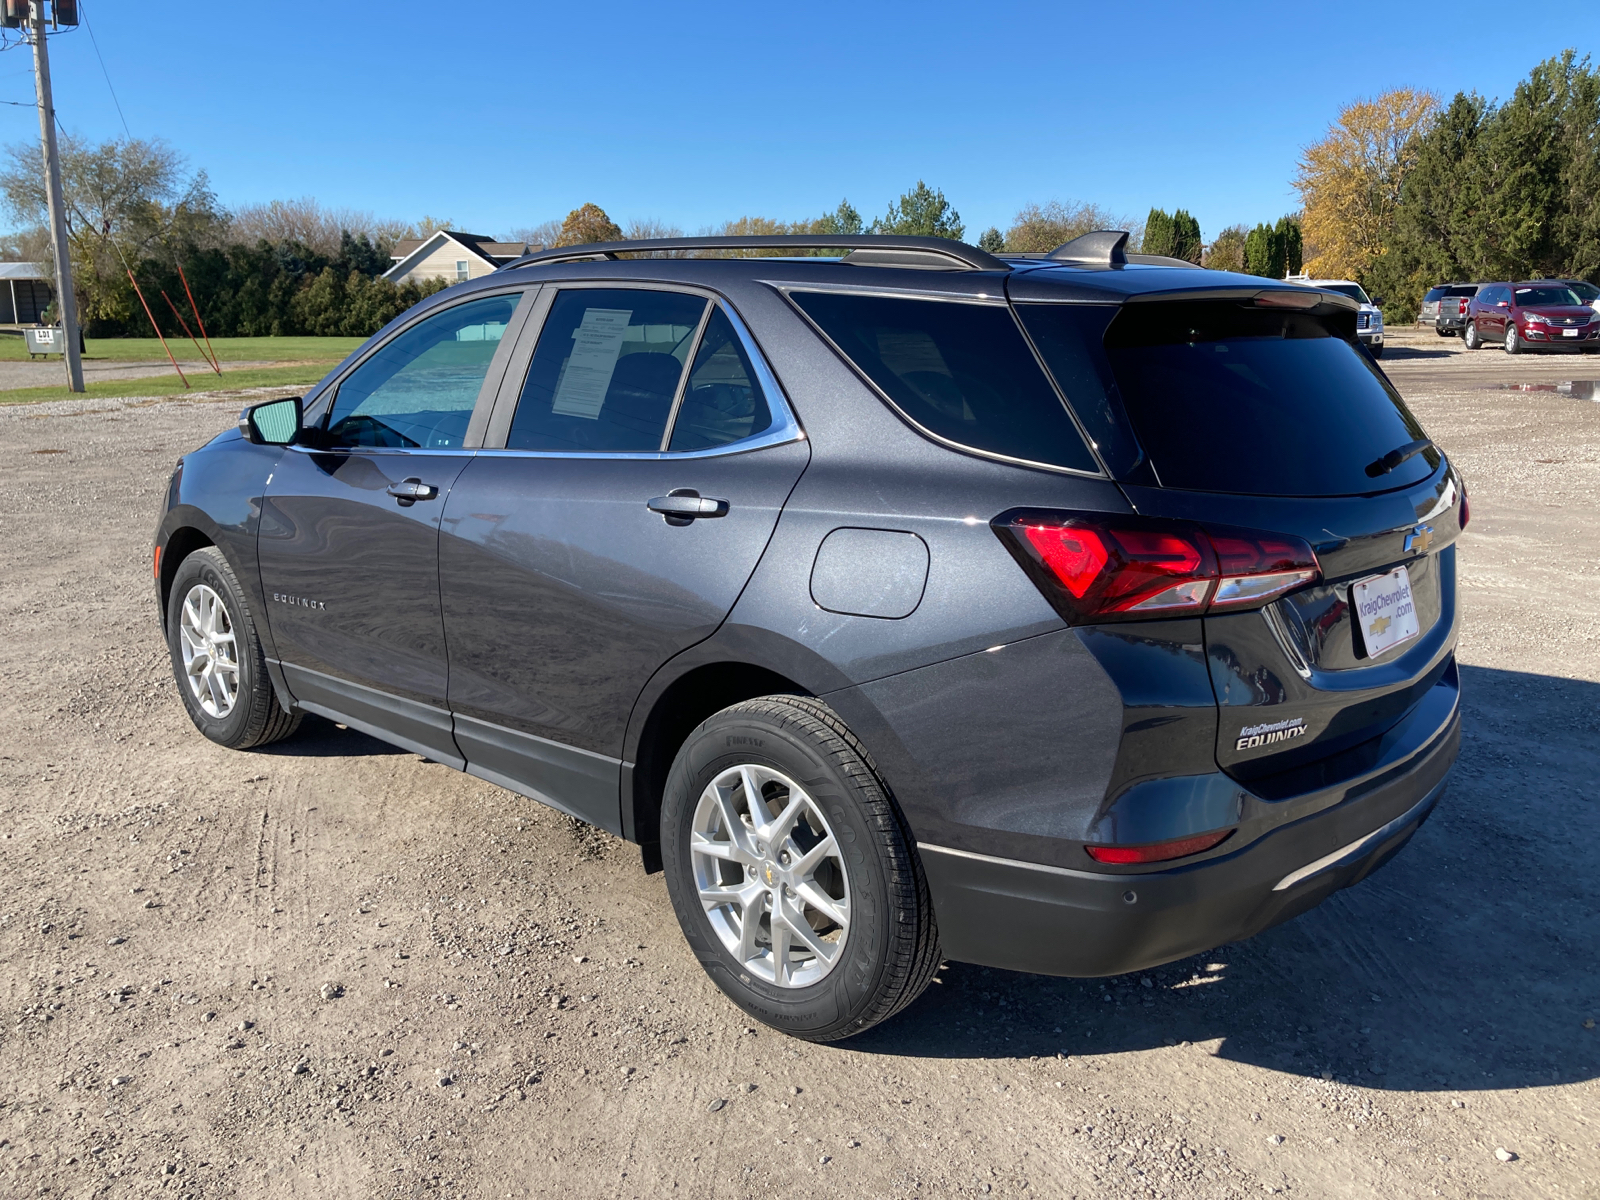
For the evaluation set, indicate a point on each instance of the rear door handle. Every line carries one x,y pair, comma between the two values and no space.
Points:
408,491
683,505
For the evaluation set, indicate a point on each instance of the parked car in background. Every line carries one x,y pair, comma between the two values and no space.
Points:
1584,291
1445,307
1369,317
1539,314
1069,614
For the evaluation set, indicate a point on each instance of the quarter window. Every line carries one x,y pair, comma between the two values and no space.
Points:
960,371
606,371
419,389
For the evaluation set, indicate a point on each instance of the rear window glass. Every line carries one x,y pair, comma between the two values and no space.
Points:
1229,398
963,372
1470,289
1433,294
1353,290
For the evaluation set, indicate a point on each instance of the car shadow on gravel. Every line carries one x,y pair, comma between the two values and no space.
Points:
319,737
1470,961
1392,352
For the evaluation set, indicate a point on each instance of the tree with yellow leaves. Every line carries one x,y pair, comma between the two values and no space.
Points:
1349,182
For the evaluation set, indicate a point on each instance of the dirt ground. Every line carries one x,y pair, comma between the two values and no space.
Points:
332,969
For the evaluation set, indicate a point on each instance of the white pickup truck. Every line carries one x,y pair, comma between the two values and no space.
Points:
1369,318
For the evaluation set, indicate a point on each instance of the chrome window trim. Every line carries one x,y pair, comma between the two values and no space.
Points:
785,427
464,450
991,455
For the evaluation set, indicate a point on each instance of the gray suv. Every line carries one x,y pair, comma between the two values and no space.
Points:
1069,614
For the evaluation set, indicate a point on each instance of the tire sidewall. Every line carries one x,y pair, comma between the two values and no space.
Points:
833,1002
1512,345
207,567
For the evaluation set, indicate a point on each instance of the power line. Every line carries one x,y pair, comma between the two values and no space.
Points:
96,44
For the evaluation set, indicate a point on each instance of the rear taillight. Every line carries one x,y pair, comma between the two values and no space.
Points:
1159,851
1100,567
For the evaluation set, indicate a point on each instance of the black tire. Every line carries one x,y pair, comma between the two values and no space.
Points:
1377,351
255,718
1445,332
891,950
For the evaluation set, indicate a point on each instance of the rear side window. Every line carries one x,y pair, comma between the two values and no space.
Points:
605,371
1226,397
724,402
962,372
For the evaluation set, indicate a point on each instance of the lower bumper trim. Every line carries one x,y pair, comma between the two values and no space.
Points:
1356,848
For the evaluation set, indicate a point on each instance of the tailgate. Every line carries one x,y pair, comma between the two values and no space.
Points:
1295,681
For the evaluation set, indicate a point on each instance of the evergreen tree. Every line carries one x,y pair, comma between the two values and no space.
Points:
1159,234
992,240
1291,245
921,212
1186,242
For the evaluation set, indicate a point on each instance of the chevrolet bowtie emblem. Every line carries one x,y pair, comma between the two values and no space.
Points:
1378,626
769,874
1419,539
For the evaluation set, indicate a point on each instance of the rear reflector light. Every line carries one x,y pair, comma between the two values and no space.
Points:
1159,851
156,567
1103,567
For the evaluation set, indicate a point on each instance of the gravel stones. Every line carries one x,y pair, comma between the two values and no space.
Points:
717,1105
331,991
1504,1155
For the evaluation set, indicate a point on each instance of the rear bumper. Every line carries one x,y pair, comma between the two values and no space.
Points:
1056,921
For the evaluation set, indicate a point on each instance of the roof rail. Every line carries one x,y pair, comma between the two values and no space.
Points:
927,250
1107,248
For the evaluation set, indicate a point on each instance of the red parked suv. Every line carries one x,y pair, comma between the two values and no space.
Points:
1538,315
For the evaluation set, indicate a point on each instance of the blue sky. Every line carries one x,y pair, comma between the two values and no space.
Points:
501,114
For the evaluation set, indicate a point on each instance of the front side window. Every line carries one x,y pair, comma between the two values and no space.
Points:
963,372
419,389
606,370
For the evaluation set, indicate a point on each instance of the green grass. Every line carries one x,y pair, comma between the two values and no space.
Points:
243,349
290,375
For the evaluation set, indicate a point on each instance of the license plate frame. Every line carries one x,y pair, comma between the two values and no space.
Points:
1385,611
1570,332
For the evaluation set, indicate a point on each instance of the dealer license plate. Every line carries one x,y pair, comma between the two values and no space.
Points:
1386,610
1570,332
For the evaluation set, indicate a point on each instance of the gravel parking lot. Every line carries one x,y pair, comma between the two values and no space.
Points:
333,969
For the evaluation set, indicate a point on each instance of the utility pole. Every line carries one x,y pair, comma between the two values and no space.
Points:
58,201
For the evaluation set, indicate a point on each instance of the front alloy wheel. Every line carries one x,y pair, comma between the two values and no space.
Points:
1513,345
217,657
210,651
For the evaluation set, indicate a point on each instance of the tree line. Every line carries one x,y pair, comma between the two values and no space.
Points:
1405,192
137,216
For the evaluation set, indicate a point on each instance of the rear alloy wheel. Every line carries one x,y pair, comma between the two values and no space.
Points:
792,873
1513,344
217,658
1469,337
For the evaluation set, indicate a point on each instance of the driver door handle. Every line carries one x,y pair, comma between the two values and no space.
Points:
683,505
409,491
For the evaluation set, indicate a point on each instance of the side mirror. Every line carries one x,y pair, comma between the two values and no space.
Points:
1377,301
275,423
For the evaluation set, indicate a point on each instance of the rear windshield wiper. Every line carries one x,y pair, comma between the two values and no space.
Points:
1397,456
